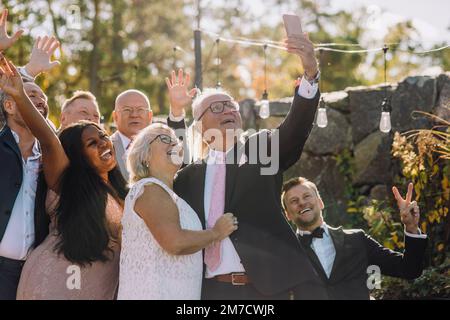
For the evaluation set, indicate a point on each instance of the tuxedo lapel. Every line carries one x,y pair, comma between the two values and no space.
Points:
315,261
338,237
11,143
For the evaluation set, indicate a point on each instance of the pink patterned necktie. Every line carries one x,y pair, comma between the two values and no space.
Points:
216,210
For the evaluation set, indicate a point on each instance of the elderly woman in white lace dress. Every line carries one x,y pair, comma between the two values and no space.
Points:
162,237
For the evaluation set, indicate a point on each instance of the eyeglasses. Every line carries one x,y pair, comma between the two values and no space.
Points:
138,111
219,106
165,139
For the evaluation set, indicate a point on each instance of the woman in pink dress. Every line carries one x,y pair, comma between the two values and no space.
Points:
79,259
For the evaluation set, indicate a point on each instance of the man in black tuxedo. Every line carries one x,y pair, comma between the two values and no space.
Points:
263,258
345,258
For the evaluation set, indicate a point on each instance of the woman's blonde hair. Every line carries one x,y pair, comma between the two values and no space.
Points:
140,151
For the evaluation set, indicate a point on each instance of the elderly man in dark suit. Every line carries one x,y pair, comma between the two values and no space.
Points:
346,258
263,258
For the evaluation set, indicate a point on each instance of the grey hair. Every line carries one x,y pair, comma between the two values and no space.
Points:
206,93
198,147
3,97
140,151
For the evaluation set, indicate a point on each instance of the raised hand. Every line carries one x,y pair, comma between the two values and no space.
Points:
5,40
304,48
10,79
179,96
409,211
41,55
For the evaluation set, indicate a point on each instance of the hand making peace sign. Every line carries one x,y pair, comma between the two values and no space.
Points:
409,211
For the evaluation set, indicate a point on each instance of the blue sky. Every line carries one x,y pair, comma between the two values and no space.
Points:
431,17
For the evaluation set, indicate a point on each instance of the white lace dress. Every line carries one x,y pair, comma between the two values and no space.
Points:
147,271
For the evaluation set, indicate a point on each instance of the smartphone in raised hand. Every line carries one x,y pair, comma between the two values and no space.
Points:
292,25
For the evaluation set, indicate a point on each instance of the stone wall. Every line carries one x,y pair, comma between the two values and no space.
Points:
353,119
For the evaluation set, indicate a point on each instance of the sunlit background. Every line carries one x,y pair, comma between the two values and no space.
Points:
109,46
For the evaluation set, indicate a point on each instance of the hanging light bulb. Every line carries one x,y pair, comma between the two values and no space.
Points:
218,61
264,107
322,120
385,121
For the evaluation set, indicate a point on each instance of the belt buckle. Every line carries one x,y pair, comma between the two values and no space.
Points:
237,283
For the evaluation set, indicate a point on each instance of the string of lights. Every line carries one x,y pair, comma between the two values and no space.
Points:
322,46
321,120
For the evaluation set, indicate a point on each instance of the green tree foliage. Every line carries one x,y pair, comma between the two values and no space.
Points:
125,44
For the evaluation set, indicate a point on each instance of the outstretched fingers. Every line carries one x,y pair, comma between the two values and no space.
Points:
168,83
396,193
409,193
3,18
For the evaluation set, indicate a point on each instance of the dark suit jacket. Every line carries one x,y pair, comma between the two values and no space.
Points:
266,244
356,251
11,176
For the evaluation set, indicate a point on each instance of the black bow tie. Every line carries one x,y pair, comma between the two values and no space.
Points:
306,239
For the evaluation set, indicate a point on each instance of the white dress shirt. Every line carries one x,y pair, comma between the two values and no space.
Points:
306,89
324,249
125,140
19,233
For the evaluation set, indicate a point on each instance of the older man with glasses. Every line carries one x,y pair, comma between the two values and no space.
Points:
263,258
132,113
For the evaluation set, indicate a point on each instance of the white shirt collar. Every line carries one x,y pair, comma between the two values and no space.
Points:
216,156
125,140
36,151
323,225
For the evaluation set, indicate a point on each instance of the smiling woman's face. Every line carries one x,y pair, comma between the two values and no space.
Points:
166,152
98,149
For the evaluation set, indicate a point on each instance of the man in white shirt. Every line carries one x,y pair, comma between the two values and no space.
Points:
20,163
342,257
20,157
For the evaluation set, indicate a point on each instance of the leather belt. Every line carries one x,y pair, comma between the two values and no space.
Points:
236,279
